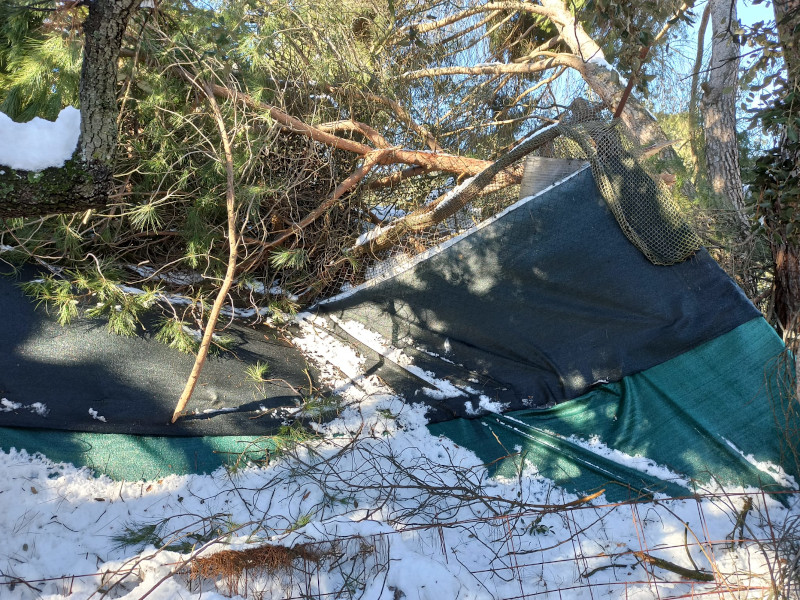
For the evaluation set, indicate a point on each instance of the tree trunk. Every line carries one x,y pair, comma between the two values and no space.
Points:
719,111
103,31
86,180
785,247
694,120
602,78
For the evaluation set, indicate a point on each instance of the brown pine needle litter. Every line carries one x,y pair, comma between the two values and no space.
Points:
230,564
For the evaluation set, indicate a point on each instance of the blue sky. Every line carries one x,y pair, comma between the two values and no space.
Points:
750,13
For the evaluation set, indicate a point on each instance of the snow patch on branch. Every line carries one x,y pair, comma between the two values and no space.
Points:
39,144
600,59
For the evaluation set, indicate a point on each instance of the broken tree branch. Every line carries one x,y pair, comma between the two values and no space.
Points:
451,203
349,125
348,184
417,28
233,253
677,569
552,60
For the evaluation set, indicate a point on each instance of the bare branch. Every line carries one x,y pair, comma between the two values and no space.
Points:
370,161
418,28
449,204
443,162
233,253
353,126
554,59
397,177
406,118
470,29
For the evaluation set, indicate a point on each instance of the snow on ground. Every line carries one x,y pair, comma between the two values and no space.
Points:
376,508
39,144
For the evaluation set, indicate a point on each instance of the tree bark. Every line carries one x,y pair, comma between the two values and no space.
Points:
74,187
719,111
86,180
103,31
785,248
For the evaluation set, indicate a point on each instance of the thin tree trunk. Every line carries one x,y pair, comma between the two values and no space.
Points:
85,181
694,121
719,111
103,31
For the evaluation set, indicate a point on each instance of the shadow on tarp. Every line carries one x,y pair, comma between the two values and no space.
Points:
133,458
706,415
67,378
535,307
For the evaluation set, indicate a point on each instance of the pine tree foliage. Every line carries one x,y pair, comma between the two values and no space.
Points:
39,64
366,71
97,294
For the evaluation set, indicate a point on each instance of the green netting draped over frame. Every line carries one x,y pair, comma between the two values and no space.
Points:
641,203
706,415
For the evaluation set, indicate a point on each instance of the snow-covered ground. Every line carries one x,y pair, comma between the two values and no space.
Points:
375,507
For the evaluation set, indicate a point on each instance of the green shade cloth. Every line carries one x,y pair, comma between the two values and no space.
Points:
686,414
681,414
131,458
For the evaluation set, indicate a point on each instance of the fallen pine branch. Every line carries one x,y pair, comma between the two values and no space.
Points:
427,216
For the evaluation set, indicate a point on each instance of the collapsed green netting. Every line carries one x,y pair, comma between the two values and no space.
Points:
641,203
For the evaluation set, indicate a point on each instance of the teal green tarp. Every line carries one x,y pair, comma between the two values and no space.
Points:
696,414
687,414
131,458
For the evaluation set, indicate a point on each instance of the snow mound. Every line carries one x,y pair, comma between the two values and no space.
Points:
39,144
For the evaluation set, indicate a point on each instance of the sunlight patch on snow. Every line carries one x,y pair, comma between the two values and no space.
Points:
776,472
65,522
639,463
439,388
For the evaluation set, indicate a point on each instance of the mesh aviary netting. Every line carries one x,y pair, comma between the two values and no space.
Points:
641,203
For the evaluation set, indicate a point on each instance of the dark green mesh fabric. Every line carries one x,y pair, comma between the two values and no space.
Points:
131,457
701,414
